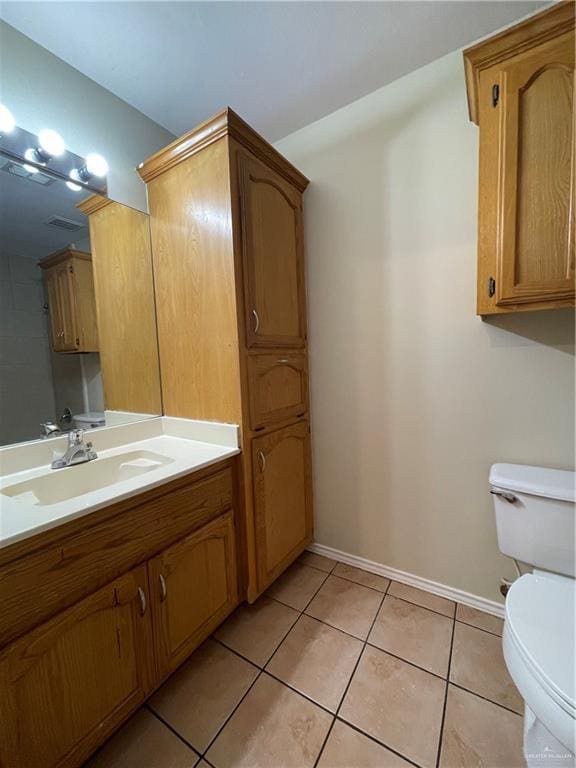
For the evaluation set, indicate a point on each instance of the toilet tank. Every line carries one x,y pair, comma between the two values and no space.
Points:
535,515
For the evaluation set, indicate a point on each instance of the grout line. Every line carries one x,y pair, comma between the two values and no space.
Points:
230,716
295,690
484,698
359,584
441,734
407,661
488,631
324,742
376,741
172,729
424,607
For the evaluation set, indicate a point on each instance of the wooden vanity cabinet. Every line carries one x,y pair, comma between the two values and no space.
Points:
194,587
90,654
71,301
67,684
227,246
521,94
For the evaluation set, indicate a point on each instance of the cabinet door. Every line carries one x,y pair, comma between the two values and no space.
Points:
278,388
282,498
68,683
535,249
55,309
194,587
273,257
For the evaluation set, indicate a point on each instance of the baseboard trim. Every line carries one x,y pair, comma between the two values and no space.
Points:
442,590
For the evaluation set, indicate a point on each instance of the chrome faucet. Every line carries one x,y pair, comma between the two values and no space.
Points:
49,429
78,452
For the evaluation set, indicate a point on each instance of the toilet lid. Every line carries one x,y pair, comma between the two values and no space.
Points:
540,618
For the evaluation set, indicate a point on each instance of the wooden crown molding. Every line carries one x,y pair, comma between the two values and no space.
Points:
225,123
63,255
537,29
93,203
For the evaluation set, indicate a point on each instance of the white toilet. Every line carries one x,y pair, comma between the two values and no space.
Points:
535,518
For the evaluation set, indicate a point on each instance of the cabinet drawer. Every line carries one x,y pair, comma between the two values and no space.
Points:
278,386
36,586
194,587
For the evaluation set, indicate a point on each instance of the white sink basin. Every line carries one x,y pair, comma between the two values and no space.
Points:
63,484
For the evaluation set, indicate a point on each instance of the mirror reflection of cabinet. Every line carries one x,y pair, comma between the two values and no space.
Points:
71,302
124,287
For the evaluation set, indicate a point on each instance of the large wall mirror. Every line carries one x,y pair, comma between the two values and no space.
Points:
78,343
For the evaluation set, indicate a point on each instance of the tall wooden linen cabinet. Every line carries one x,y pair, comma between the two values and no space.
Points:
227,242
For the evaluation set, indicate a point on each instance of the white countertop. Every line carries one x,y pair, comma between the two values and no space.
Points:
170,443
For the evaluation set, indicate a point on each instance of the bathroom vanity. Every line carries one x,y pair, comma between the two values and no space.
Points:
103,594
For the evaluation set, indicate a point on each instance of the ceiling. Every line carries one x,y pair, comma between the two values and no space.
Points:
26,207
281,65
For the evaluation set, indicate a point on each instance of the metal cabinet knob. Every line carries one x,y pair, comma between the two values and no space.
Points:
257,321
262,461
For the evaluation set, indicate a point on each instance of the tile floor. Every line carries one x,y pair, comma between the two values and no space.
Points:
336,668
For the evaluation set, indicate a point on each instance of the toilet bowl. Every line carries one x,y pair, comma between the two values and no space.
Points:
89,420
535,519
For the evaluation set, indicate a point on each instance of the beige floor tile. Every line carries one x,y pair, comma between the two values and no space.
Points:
413,633
273,726
317,660
479,619
297,586
478,665
199,696
346,748
255,631
317,561
365,578
479,734
397,704
423,598
144,742
346,606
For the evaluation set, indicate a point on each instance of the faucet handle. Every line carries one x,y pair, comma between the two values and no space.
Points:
76,437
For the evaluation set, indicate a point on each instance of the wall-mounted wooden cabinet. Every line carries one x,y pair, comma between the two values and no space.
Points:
227,246
521,94
71,301
94,615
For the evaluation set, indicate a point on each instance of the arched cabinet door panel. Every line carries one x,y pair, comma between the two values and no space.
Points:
535,247
67,684
274,292
282,498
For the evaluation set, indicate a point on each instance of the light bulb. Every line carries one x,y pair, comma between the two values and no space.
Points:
29,168
7,122
51,143
34,157
96,165
73,187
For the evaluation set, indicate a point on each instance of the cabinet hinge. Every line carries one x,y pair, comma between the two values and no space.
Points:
491,286
71,269
495,94
77,341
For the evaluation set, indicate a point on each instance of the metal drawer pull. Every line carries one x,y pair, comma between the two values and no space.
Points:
142,596
283,361
163,591
262,461
257,323
509,497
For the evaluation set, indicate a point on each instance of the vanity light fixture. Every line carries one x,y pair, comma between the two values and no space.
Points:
7,122
95,165
46,152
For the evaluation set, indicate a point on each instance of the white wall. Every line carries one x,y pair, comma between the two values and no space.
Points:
42,91
26,387
413,396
